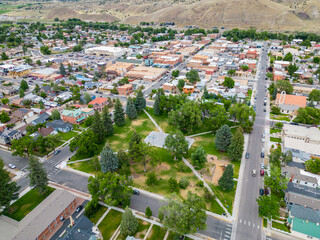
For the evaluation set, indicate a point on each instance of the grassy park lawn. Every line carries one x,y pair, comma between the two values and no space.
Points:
280,117
19,209
273,139
98,214
156,233
85,166
226,197
67,136
275,130
280,226
214,207
110,224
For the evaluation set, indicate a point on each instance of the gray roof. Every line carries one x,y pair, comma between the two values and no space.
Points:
303,190
296,164
41,118
305,213
82,230
32,225
59,124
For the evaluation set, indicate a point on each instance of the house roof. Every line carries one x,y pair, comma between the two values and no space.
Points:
293,100
71,113
41,118
58,124
98,100
81,231
305,213
46,131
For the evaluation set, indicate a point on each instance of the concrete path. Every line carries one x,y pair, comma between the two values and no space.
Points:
103,216
205,184
199,134
154,122
148,232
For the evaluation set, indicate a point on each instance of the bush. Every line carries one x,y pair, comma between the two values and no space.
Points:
183,183
151,179
161,216
207,195
173,185
275,110
200,183
148,212
279,124
91,207
182,167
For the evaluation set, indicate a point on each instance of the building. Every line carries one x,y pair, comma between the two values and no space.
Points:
106,51
188,89
8,135
125,89
149,74
60,126
169,87
42,118
98,103
118,68
8,90
289,103
87,112
73,116
302,141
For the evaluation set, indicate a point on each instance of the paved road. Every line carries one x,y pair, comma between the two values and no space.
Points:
248,224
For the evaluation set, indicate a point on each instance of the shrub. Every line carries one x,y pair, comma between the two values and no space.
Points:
200,183
279,124
182,167
183,183
173,185
148,212
151,179
207,195
161,216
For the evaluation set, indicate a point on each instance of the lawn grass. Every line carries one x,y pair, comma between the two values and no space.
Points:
85,166
273,139
142,229
280,117
280,226
275,130
226,197
157,233
110,224
98,214
19,209
215,207
68,135
4,11
265,222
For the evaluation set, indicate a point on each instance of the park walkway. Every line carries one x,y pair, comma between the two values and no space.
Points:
154,122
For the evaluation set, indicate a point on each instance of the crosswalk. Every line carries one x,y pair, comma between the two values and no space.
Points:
227,232
249,224
53,171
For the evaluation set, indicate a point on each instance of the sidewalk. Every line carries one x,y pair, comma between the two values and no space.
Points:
154,122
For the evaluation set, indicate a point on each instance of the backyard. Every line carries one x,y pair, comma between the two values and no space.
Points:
110,224
156,233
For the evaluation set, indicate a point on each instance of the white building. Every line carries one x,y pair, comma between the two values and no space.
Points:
107,51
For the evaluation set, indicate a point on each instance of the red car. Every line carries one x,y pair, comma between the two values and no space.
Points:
261,172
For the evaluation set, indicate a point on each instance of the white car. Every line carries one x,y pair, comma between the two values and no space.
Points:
263,140
12,166
262,166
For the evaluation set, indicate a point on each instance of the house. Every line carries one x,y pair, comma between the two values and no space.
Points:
169,87
60,125
87,112
125,89
8,90
42,118
289,103
23,114
63,96
72,116
47,131
98,103
188,89
8,135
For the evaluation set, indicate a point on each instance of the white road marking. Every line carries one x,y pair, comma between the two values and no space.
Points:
244,222
258,226
248,223
240,220
227,232
253,225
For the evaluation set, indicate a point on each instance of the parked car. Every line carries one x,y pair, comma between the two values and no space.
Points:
79,208
12,166
254,172
247,155
262,166
57,152
261,172
261,192
136,192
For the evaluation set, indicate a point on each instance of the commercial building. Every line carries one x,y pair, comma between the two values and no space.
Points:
106,51
72,116
118,68
289,103
125,89
98,103
149,74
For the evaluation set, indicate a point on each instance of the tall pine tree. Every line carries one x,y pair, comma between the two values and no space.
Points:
140,101
98,127
106,121
38,175
226,181
108,161
223,138
8,188
131,109
237,145
62,70
156,105
119,115
129,223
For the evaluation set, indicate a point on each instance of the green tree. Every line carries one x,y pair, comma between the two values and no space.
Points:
62,70
86,143
199,157
217,117
187,117
43,95
244,67
24,85
226,181
316,60
5,101
129,223
244,114
156,106
123,159
111,188
108,160
292,68
140,101
151,179
38,62
55,114
119,115
148,212
287,157
308,115
4,56
131,109
87,98
176,144
275,180
97,127
313,165
77,48
175,73
28,61
181,84
45,50
223,138
275,156
237,145
314,95
268,207
193,76
22,147
37,88
284,85
231,72
184,216
173,185
70,70
4,117
288,57
106,121
8,188
38,175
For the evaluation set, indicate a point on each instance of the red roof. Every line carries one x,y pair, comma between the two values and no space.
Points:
98,100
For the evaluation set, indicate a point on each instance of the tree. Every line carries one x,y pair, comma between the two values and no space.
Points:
193,76
275,181
287,157
156,105
108,160
199,157
97,127
86,143
228,82
308,115
70,70
55,114
284,85
119,115
184,216
8,188
5,100
38,175
106,121
223,138
292,68
129,223
313,165
187,117
288,57
314,95
22,147
62,70
173,185
38,62
237,145
24,85
140,101
231,72
316,60
175,73
268,207
37,88
45,50
4,117
226,181
244,67
275,156
244,114
151,179
218,117
275,110
77,48
131,109
176,144
123,159
28,61
4,56
181,84
111,188
148,212
87,98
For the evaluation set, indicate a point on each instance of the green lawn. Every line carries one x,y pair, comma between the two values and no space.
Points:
110,224
142,229
98,214
156,233
85,166
265,222
226,197
4,11
280,117
274,130
67,136
19,209
280,226
215,207
273,139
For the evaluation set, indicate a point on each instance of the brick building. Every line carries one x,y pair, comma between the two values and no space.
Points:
125,89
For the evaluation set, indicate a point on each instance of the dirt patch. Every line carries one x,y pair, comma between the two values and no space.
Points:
219,166
138,122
